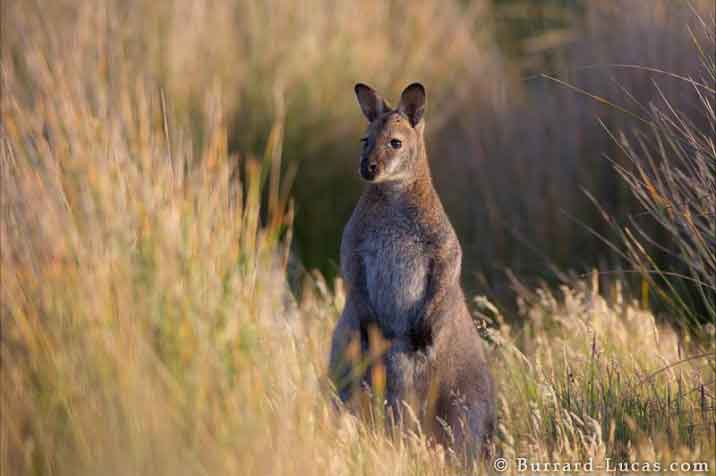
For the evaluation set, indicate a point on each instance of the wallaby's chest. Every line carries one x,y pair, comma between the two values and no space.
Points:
396,262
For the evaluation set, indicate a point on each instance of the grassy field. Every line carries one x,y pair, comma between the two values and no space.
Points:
151,322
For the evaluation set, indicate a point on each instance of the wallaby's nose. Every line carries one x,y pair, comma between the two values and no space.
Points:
368,169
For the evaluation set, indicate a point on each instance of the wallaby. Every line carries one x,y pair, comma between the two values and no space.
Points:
400,260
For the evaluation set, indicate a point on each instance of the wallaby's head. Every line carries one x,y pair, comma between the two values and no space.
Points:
393,141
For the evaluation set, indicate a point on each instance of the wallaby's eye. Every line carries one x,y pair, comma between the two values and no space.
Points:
396,143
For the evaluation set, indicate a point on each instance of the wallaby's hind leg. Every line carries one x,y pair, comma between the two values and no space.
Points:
346,352
471,426
468,409
399,369
408,384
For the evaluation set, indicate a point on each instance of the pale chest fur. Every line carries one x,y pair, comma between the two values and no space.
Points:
395,267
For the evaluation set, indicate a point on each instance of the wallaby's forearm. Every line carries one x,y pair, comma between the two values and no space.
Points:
358,289
442,276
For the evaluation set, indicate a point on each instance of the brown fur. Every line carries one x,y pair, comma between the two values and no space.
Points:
401,259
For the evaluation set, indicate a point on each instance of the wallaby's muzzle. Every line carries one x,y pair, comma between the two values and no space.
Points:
368,169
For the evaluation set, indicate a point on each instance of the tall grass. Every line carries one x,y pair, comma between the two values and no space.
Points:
591,376
135,283
511,151
147,322
514,177
294,59
671,170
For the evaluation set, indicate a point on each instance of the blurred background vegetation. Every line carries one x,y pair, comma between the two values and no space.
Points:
512,151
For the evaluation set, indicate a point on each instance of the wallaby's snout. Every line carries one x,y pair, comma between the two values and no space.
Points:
368,169
394,136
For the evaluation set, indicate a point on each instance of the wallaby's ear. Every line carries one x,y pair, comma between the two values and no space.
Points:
370,102
412,103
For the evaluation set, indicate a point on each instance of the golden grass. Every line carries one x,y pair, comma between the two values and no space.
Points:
591,377
147,322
